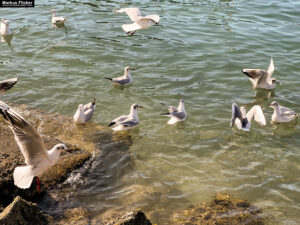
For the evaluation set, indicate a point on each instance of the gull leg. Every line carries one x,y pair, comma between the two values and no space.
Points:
38,185
133,33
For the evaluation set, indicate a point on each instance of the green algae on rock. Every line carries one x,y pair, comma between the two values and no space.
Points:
23,212
222,210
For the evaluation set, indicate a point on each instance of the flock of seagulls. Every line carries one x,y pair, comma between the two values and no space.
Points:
38,159
261,79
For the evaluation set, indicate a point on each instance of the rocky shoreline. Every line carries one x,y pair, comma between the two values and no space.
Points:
19,206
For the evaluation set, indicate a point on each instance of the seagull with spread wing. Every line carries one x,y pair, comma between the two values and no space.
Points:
261,78
31,144
139,22
242,120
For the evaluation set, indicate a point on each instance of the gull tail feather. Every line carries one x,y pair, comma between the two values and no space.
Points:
108,78
23,177
112,123
165,114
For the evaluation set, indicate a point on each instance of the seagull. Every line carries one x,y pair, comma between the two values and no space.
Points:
4,28
37,158
243,120
176,114
127,122
123,80
57,19
84,113
282,114
5,85
140,22
261,78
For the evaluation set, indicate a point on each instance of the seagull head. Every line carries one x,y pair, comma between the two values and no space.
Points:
274,104
136,106
60,147
6,22
80,107
53,11
275,81
128,69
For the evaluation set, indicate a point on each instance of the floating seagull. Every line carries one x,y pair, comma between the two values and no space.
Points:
176,114
123,80
37,158
127,122
282,114
5,85
57,19
261,78
4,28
140,22
243,120
84,113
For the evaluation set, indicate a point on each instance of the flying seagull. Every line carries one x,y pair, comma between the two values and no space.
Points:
37,158
282,114
139,22
4,28
84,113
127,122
261,78
176,114
243,120
57,19
126,79
5,85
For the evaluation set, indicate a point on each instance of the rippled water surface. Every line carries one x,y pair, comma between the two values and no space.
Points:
197,52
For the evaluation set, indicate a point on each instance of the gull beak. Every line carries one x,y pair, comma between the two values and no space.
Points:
132,69
277,82
141,106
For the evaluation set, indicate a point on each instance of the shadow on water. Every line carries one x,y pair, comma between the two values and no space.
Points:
7,39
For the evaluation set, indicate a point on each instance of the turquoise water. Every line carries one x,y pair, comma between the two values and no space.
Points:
197,53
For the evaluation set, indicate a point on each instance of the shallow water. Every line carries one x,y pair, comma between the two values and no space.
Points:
197,52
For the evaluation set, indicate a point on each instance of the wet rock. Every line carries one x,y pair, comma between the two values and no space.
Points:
135,217
23,213
76,216
221,210
51,126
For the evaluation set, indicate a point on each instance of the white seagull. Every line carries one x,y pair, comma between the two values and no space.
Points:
243,120
57,19
84,113
261,78
176,114
127,122
37,158
5,85
126,79
4,28
282,114
140,22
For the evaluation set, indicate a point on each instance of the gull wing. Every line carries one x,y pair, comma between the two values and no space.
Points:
28,139
236,113
258,115
179,115
91,105
133,13
7,84
131,27
121,80
155,18
286,111
255,73
129,123
271,69
120,119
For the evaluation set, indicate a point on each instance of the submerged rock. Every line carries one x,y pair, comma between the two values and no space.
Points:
23,213
221,210
135,217
76,216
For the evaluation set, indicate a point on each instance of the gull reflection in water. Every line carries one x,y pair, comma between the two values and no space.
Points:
7,39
